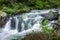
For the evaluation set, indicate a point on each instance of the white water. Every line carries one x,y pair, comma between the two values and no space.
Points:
22,24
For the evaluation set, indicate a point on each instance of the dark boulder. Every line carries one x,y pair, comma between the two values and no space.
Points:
51,15
3,18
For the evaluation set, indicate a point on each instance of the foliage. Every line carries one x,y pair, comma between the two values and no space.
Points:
15,5
45,28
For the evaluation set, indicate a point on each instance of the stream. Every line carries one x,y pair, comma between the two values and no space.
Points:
20,25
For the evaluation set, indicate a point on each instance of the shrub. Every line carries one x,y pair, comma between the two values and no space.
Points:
45,28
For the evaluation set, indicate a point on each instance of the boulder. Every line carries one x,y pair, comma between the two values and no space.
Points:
3,18
51,15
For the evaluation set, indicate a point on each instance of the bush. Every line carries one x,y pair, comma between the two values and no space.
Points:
45,28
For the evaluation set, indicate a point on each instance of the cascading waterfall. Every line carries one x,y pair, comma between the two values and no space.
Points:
23,23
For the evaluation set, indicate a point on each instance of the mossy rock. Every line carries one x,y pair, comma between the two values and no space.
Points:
3,14
51,15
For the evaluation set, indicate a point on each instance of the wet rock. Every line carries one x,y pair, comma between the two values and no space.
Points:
56,26
59,17
51,15
13,23
3,18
